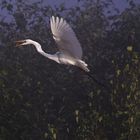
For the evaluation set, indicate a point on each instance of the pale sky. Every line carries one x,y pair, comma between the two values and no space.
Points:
120,4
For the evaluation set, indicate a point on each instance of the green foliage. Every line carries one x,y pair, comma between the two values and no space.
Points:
40,99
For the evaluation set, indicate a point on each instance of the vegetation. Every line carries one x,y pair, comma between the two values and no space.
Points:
41,100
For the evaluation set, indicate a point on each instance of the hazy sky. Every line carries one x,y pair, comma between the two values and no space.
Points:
120,4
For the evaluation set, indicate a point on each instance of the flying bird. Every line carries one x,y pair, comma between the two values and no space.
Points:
70,51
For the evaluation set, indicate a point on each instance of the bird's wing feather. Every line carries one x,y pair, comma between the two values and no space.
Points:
65,37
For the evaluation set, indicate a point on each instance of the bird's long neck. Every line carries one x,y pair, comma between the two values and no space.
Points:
39,49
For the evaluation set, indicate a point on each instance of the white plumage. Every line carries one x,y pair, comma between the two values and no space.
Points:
70,51
65,38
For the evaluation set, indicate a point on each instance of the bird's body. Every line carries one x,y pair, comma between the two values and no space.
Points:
70,51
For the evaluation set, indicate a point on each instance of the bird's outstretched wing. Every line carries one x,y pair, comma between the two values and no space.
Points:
65,37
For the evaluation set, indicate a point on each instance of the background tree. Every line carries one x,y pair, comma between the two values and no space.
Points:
40,99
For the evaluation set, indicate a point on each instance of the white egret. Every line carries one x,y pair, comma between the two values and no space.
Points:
70,51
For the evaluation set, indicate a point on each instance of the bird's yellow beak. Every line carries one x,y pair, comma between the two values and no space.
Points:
20,43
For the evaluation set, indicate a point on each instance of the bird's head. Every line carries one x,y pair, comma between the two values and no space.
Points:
23,42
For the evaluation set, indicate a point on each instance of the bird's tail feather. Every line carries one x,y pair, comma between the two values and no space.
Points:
82,65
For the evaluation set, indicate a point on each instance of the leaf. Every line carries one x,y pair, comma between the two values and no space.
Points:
100,118
45,135
131,119
118,72
129,48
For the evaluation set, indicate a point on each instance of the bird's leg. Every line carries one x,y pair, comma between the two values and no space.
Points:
97,81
